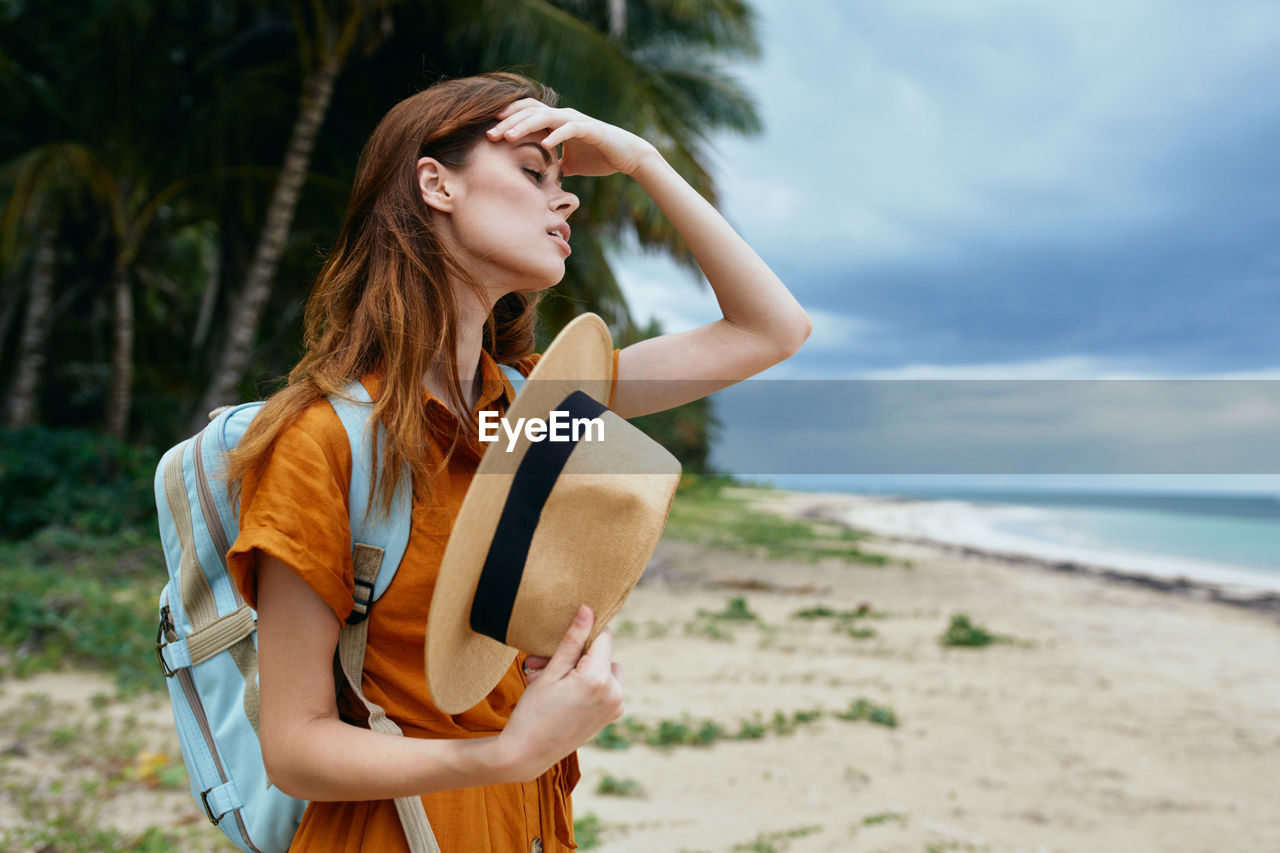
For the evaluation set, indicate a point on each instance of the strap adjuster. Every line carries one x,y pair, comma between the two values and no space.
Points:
165,621
208,811
360,611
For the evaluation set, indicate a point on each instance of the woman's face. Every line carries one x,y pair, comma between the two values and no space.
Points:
504,213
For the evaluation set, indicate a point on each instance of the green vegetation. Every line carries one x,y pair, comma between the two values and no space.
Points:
686,731
706,513
716,625
735,610
80,480
588,832
964,634
863,709
69,598
775,842
154,138
88,761
612,786
846,621
884,817
953,844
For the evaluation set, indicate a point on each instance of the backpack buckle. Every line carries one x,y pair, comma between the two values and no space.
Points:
208,811
166,621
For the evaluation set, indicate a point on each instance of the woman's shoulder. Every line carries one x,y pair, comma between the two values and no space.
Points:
317,430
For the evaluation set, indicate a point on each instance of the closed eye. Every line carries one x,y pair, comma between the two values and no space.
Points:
538,176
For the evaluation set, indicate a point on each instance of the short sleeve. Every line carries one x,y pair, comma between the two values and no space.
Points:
295,509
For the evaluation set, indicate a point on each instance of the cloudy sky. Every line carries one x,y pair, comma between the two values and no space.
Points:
1011,188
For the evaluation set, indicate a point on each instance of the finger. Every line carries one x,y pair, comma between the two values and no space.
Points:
533,121
516,106
515,113
568,130
599,655
569,651
531,667
617,672
507,121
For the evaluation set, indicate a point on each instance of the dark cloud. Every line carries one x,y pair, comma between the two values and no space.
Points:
993,184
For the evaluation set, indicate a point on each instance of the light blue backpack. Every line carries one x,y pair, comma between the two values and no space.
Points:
207,640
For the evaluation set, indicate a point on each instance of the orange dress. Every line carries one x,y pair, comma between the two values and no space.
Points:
295,509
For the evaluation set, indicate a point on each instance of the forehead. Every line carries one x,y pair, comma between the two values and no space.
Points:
530,143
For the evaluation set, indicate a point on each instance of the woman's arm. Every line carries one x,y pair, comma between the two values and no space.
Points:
762,325
311,754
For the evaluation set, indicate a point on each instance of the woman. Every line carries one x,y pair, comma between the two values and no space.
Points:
457,222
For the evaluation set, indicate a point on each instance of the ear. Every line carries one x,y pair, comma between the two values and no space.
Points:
435,183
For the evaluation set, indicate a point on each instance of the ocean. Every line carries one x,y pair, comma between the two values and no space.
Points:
1241,531
1235,530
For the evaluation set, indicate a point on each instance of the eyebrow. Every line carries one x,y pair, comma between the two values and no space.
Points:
546,157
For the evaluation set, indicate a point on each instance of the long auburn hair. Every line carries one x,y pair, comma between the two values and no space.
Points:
384,301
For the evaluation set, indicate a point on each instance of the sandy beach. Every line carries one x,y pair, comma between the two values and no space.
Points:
1123,717
1118,716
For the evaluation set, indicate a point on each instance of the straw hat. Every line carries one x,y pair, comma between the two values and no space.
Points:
546,526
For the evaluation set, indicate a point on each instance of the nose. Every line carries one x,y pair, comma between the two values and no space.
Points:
564,203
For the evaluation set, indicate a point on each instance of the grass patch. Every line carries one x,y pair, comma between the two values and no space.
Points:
588,832
704,513
69,598
884,817
687,731
849,622
86,757
612,786
716,625
962,633
735,610
863,709
775,842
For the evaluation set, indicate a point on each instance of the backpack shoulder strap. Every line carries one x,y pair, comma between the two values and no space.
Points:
378,538
378,541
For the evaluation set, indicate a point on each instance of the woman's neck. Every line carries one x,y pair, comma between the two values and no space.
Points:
469,341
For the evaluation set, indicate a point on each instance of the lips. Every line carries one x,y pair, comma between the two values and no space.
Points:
560,233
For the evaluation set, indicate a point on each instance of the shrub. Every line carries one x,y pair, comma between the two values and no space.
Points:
73,478
963,633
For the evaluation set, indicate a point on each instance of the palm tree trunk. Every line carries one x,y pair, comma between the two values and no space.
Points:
21,409
119,394
242,327
208,301
618,19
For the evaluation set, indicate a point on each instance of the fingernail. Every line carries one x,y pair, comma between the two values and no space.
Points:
584,613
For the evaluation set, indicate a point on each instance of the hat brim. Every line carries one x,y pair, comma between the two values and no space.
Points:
463,666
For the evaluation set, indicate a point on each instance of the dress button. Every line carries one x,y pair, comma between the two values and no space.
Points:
536,846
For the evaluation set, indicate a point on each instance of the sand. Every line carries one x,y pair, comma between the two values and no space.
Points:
1125,718
1121,717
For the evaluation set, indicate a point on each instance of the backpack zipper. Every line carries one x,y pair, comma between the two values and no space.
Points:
209,510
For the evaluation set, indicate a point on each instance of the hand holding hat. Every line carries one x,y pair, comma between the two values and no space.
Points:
577,695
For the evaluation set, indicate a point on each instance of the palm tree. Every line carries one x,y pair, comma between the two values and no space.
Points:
326,38
39,186
43,177
654,66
